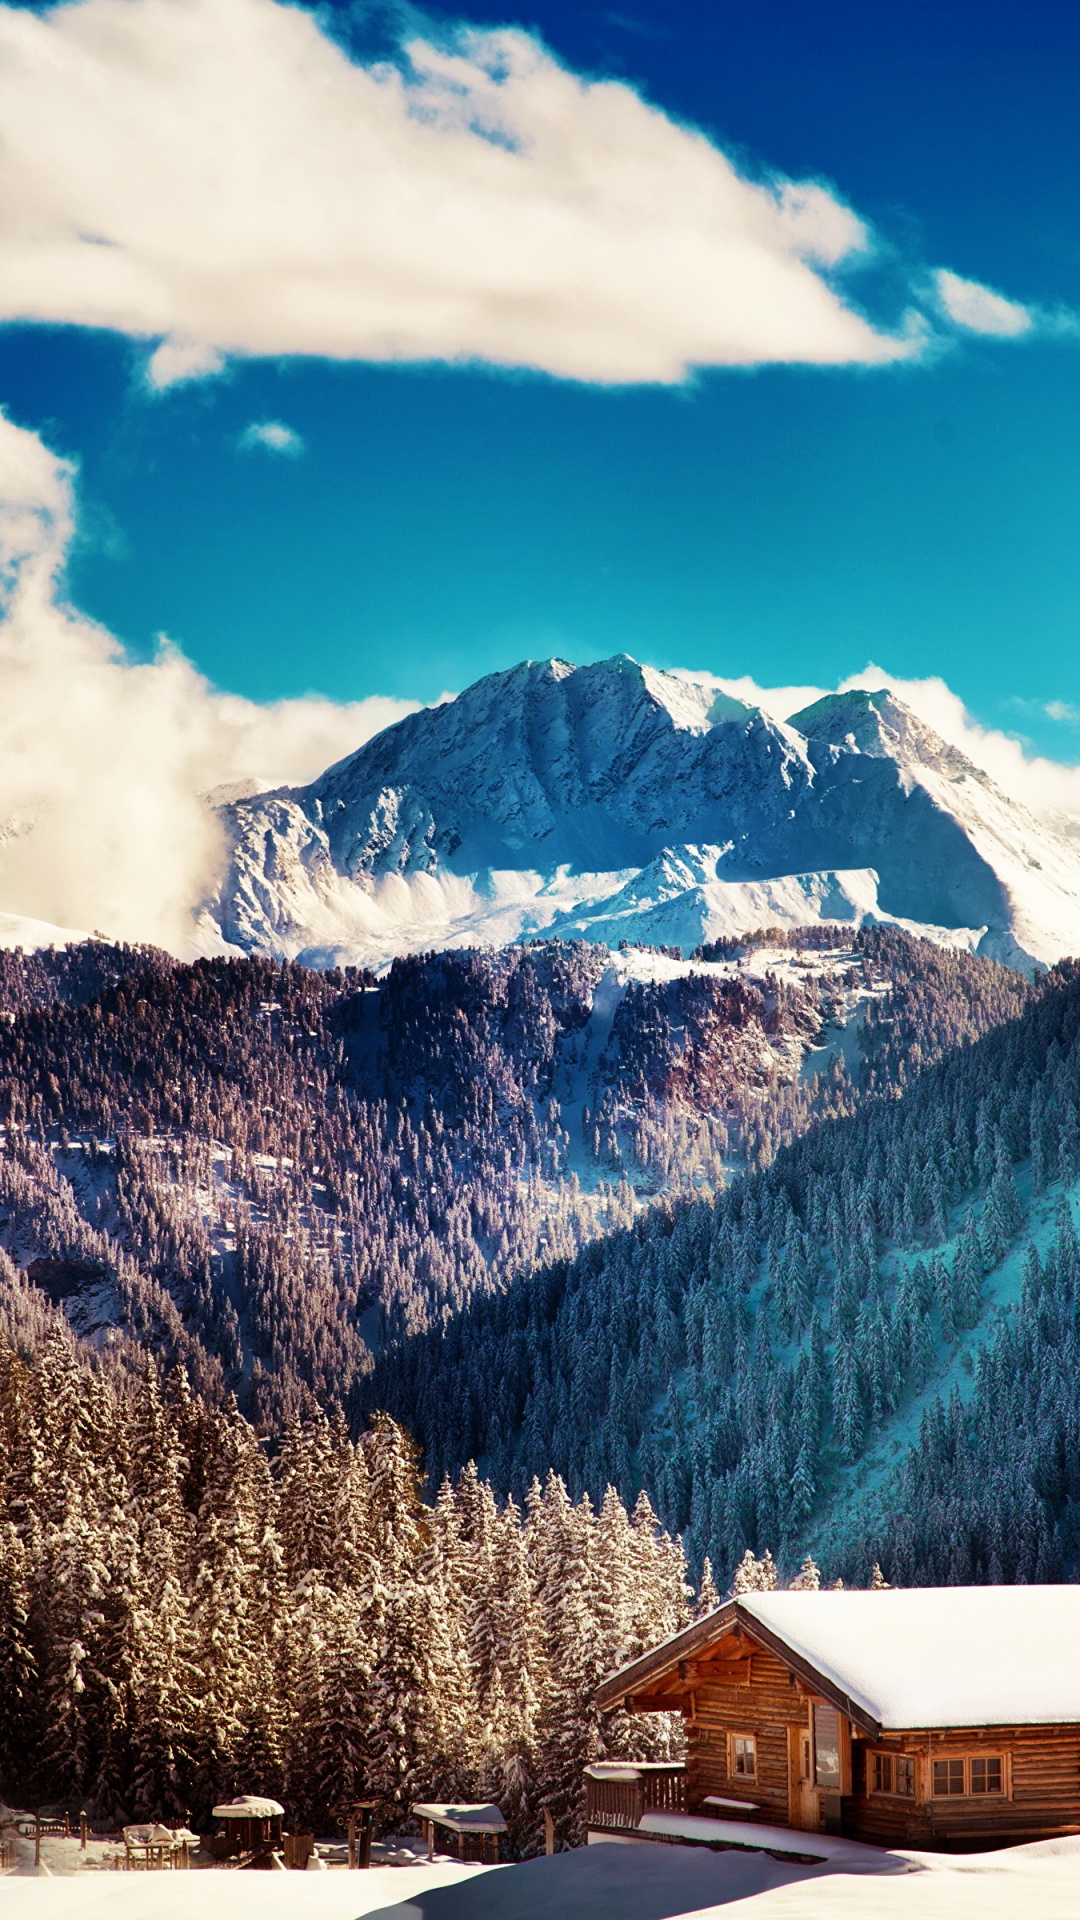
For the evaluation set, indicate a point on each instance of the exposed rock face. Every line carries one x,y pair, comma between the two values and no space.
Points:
617,802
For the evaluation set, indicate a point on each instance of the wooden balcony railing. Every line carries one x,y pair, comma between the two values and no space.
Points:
617,1793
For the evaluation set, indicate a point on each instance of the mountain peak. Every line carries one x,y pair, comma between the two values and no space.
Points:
875,722
546,792
869,722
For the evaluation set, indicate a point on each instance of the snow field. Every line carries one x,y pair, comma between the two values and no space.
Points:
988,1886
218,1894
628,1882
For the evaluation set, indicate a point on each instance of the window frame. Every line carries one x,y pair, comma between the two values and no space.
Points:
733,1771
875,1758
965,1759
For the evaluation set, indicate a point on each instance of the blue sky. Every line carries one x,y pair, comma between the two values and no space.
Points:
429,523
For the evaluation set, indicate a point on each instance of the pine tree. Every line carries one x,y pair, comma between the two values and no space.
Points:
708,1599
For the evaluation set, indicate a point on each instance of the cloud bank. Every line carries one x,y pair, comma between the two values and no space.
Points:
219,177
104,762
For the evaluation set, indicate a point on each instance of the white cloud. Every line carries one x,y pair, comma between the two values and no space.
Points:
103,762
177,360
979,309
273,436
1061,710
219,175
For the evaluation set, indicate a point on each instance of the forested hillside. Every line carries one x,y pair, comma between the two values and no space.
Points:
256,1222
269,1173
871,1346
180,1620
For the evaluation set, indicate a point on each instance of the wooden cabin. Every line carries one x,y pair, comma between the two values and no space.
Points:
941,1718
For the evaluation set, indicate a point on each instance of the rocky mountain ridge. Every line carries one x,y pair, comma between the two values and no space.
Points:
616,802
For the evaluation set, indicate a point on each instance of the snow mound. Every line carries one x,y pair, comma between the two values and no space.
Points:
218,1894
630,1881
17,931
617,1881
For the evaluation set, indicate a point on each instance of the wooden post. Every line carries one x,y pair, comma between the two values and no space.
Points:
67,1826
84,1831
366,1810
549,1831
361,1828
428,1829
37,1839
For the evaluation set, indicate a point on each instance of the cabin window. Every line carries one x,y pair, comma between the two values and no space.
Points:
744,1756
986,1774
827,1758
967,1775
893,1773
948,1778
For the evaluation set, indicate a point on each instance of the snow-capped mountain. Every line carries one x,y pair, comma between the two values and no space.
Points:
617,802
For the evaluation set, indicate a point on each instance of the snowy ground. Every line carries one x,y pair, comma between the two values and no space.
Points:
218,1895
1040,1882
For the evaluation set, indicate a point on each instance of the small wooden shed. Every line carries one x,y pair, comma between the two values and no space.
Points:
252,1824
931,1717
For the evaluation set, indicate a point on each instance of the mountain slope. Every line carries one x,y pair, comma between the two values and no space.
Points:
616,802
869,1348
270,1171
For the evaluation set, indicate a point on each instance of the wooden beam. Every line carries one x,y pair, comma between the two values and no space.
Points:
649,1666
729,1672
660,1702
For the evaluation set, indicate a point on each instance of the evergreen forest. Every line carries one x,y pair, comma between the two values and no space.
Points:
382,1361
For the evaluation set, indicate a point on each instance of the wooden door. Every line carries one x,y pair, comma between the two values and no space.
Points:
803,1808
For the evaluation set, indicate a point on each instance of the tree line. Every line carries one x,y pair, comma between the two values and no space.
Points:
185,1615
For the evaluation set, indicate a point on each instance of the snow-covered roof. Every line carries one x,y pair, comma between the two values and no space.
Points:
248,1806
939,1656
905,1657
463,1817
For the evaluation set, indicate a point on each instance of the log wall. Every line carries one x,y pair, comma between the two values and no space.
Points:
1042,1767
1042,1770
767,1704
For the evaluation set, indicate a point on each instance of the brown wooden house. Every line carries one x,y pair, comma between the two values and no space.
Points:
932,1717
